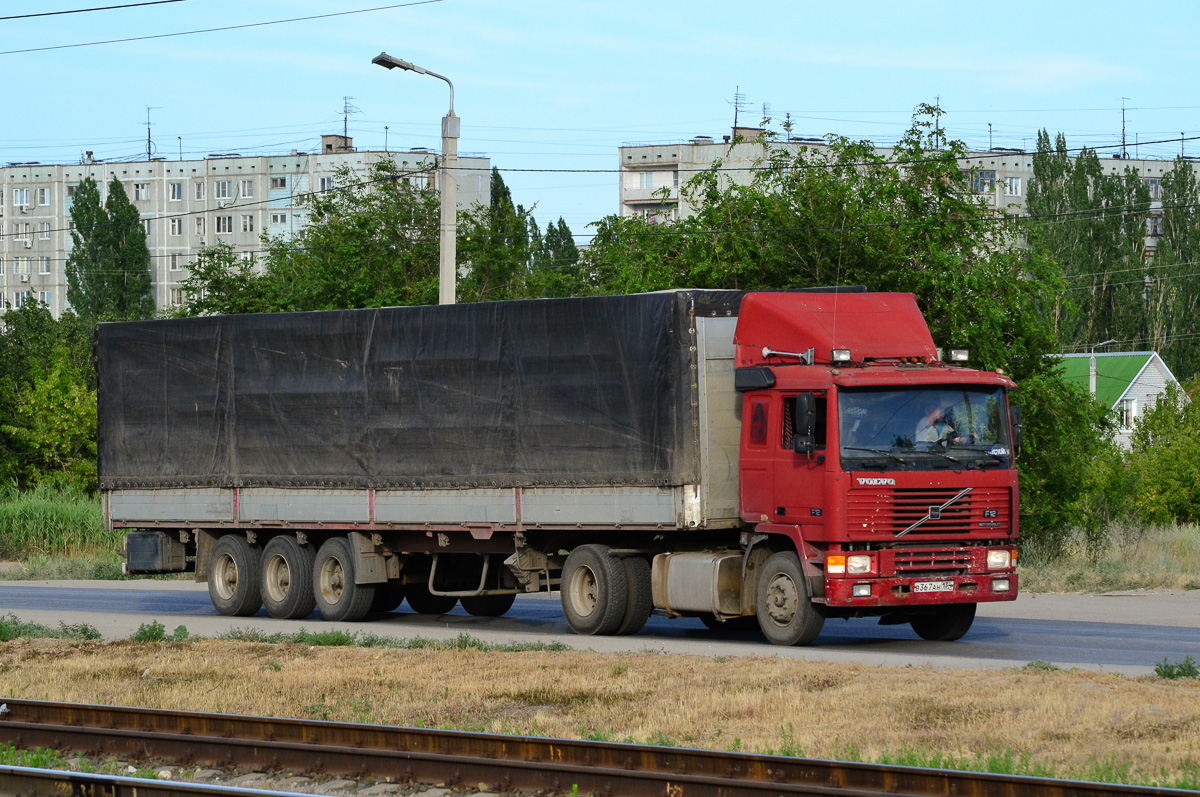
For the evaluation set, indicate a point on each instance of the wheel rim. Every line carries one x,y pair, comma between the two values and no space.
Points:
225,576
333,580
783,600
277,579
584,597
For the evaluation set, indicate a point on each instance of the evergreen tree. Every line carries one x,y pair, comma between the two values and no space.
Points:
108,270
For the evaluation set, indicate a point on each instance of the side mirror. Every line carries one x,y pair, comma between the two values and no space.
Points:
806,415
804,444
1014,412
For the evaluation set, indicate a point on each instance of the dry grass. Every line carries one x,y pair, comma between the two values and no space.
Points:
1070,724
1122,556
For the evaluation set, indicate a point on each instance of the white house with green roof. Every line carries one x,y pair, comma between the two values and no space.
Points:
1127,382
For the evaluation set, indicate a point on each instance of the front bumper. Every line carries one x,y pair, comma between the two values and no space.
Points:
900,592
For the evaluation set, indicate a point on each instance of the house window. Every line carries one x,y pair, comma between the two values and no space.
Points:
200,225
247,223
44,297
177,191
199,189
1012,186
221,190
141,192
44,265
985,182
20,298
645,179
326,184
1154,186
20,196
45,230
176,227
278,182
1128,413
175,262
43,195
247,257
248,189
22,265
224,225
279,218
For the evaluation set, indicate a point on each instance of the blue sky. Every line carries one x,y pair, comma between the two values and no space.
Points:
560,85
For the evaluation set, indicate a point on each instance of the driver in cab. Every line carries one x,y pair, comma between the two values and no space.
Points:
937,426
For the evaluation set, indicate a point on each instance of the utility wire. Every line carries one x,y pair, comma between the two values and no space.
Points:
214,30
85,10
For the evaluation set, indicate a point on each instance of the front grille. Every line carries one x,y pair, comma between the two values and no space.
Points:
904,562
886,511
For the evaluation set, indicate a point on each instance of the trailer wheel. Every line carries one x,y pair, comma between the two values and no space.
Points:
945,623
487,605
233,577
287,568
595,590
338,597
422,601
786,615
388,597
639,601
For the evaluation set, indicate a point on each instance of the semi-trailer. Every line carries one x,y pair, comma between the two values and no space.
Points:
784,456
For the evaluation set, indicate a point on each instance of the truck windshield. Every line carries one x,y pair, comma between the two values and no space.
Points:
923,428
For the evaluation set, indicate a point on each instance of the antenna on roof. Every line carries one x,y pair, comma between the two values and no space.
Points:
739,101
347,109
149,146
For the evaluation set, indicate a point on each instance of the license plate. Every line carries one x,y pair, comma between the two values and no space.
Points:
933,586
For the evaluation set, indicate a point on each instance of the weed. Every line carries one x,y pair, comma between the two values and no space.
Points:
1040,665
273,665
12,627
50,522
619,669
660,739
1184,669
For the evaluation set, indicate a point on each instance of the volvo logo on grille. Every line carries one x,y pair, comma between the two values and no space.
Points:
877,482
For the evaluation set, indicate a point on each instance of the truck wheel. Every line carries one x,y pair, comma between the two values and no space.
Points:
338,597
785,613
639,601
388,597
595,591
945,623
487,605
287,568
422,601
233,577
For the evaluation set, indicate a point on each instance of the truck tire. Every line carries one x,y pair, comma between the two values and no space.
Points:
422,601
287,582
945,623
487,605
338,597
595,590
639,600
388,597
786,615
233,577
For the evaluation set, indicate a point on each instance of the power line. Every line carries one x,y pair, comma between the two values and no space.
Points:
215,30
85,10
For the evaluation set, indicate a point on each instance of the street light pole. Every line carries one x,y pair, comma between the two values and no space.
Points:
447,266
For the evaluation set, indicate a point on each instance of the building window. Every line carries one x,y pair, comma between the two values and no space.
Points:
199,189
326,184
247,224
247,257
221,190
177,192
1,267
21,230
20,196
45,230
278,182
279,218
20,298
176,297
1128,413
645,179
44,265
247,189
44,297
200,225
146,226
21,265
176,227
43,195
176,262
224,225
985,182
1154,185
141,192
1155,223
1012,186
71,189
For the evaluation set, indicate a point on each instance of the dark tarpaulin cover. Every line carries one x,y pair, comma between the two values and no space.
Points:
550,392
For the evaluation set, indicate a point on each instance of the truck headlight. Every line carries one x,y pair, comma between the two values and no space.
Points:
1001,585
999,559
859,564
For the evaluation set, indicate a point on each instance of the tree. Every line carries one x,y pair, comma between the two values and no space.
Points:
108,270
1172,279
497,247
555,269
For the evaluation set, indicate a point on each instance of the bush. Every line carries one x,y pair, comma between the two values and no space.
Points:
49,522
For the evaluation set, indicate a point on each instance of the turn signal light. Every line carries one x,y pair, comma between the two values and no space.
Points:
835,564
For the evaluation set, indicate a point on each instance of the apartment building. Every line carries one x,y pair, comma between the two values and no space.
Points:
185,206
651,175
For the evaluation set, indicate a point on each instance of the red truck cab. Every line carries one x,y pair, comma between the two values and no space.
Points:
890,472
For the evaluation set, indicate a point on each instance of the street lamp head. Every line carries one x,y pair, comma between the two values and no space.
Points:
388,62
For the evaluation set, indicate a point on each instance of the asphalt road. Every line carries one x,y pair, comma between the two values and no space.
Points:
1118,632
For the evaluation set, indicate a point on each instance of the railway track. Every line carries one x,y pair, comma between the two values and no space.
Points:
506,763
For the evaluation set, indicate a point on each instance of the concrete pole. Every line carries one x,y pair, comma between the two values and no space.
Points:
448,244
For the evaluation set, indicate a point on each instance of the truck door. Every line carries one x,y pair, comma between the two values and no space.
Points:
760,439
799,494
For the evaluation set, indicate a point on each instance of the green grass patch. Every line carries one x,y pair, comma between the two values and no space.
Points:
350,639
49,522
1184,669
154,631
12,627
1121,556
